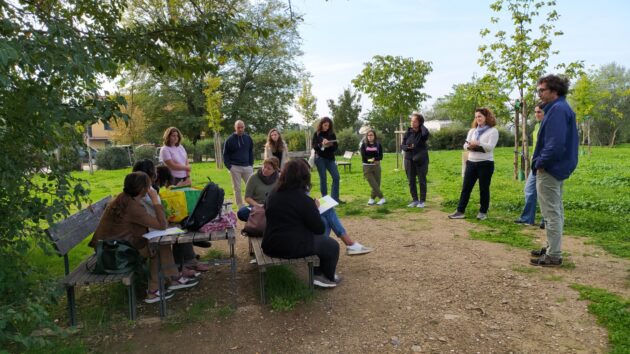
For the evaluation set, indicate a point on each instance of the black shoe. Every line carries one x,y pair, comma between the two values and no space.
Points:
542,225
519,221
203,244
341,202
547,261
540,252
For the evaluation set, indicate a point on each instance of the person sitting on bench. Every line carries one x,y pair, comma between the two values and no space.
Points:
259,185
126,219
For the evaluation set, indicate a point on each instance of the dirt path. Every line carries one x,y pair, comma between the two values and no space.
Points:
426,288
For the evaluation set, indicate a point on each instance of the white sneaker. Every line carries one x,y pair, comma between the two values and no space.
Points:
420,205
482,216
357,249
412,204
371,201
323,282
381,202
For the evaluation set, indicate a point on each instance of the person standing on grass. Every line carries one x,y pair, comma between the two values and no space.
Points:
372,155
325,144
276,147
238,157
528,216
555,158
480,143
173,155
414,144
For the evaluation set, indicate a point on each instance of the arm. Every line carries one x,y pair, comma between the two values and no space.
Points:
489,140
251,151
315,142
363,152
468,138
380,151
267,152
285,155
139,215
250,188
335,145
226,154
310,216
167,158
554,137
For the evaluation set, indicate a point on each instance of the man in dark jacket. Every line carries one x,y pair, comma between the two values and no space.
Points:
555,158
238,157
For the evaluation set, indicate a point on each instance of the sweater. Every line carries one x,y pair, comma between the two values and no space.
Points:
131,227
283,156
488,141
418,139
371,152
328,152
257,189
293,221
238,150
557,147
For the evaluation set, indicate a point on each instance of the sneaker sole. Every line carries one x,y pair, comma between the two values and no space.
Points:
456,217
190,284
324,285
153,300
356,253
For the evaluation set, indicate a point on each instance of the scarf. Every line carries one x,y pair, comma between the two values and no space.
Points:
267,180
480,130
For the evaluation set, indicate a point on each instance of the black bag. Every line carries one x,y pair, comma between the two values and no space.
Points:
116,257
207,208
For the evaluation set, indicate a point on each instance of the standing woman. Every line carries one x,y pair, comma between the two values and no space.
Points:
275,146
371,155
174,156
325,145
480,143
414,144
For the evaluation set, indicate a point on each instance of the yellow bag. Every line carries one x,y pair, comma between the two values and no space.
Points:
178,203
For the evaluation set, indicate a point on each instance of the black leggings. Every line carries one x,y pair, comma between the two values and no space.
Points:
482,171
327,249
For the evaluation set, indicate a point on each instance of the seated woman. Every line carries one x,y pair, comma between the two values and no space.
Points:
294,226
126,219
258,186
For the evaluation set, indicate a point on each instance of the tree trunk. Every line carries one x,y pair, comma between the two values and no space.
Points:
525,159
218,152
614,136
516,122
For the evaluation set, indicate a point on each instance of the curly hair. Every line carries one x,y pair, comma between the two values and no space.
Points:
275,146
295,175
321,123
555,83
486,112
167,133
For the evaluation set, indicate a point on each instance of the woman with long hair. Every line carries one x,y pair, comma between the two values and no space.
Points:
481,140
414,144
175,157
371,155
325,144
276,147
125,218
294,226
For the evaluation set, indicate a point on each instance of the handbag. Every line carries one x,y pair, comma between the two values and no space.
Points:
116,257
256,222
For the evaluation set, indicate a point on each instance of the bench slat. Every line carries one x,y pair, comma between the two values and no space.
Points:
73,230
265,260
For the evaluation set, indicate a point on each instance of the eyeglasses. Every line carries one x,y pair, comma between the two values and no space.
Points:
541,90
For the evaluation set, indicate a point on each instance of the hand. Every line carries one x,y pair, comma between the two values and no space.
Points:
153,195
377,162
187,168
473,143
325,142
316,202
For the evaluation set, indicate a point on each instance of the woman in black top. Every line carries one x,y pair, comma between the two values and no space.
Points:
294,226
414,145
372,154
325,145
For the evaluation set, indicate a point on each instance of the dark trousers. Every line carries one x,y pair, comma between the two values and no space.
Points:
327,249
416,170
482,171
183,253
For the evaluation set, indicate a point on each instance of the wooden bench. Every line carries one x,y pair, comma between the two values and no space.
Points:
265,261
71,232
347,162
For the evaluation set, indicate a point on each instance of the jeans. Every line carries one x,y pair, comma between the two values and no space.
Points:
528,215
550,198
331,222
482,171
240,173
330,165
418,170
372,174
327,250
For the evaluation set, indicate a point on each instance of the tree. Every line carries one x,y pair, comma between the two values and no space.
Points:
53,56
584,100
346,112
521,57
306,103
613,82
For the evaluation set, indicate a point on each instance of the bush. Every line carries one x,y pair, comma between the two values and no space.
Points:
112,158
506,138
296,139
347,140
450,138
146,152
206,147
259,140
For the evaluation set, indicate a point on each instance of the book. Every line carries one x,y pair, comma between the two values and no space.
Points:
160,233
325,203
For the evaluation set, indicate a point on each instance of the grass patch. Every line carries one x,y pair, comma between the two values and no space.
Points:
285,289
526,270
612,311
567,265
553,278
507,234
213,253
200,309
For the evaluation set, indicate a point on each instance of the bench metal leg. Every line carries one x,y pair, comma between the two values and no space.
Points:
233,276
131,293
263,299
72,312
311,273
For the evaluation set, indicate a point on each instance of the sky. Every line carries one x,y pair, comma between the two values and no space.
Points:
339,36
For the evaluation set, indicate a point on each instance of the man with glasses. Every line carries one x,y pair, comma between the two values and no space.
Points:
528,216
555,158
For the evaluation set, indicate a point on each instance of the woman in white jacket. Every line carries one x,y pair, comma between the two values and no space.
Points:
276,146
480,143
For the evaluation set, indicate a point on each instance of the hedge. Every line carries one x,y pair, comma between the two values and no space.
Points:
112,158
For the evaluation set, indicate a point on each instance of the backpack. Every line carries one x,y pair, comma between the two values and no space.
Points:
207,208
115,257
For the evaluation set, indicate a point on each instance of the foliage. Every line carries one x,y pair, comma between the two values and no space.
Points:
259,88
394,84
113,158
306,103
449,138
145,152
345,112
296,139
133,130
347,140
213,103
612,311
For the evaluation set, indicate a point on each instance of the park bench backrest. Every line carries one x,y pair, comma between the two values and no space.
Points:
348,155
70,232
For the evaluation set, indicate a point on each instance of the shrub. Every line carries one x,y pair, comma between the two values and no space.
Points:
146,152
112,158
450,138
506,138
296,139
206,147
259,140
347,140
